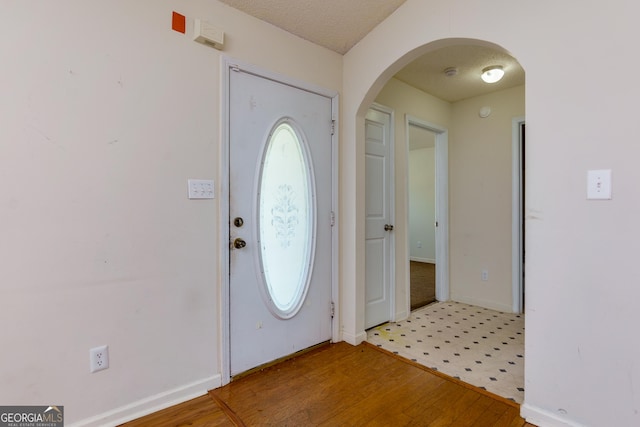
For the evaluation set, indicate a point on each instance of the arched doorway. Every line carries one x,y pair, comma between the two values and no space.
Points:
352,198
481,175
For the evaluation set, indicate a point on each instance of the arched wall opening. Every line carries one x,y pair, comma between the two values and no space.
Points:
353,229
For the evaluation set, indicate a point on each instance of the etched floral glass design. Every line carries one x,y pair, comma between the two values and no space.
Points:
286,221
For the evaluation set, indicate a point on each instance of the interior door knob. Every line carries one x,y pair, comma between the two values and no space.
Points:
388,227
239,243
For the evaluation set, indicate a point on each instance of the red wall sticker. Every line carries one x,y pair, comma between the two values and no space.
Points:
178,22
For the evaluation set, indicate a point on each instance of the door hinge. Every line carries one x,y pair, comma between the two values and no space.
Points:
333,127
333,309
436,223
234,67
332,218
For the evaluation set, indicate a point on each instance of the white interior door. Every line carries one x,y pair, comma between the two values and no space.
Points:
280,198
379,270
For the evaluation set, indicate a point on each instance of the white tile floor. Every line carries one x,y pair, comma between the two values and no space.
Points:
479,346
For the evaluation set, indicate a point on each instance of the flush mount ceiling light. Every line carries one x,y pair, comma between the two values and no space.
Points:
492,74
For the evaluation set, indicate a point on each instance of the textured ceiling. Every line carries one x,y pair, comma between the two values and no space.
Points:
427,72
334,24
339,24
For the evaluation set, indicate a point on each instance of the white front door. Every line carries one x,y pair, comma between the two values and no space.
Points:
280,199
379,271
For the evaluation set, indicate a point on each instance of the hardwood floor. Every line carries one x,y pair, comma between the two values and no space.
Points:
201,411
423,284
342,385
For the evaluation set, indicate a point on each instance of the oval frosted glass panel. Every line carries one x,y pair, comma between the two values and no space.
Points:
286,220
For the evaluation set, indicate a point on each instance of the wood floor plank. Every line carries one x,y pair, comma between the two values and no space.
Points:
505,420
430,406
201,411
459,404
476,413
493,414
387,402
342,385
510,418
395,390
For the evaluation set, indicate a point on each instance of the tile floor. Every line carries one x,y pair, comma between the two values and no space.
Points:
479,346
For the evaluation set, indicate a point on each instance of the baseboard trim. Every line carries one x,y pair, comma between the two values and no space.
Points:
354,339
504,308
540,417
401,315
425,260
152,404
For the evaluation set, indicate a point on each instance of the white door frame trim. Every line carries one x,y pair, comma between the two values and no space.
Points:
392,200
516,214
442,206
227,65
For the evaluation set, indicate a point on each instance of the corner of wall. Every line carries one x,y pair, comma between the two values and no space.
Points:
356,339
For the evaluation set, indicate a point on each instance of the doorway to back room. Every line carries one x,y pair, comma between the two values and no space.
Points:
422,215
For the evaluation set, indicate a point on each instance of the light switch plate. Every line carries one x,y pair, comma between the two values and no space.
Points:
599,184
200,188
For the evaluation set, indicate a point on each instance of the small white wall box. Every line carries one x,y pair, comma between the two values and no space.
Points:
599,184
205,33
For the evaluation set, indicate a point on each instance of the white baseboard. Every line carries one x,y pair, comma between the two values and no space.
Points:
354,339
492,305
540,417
152,404
425,260
401,315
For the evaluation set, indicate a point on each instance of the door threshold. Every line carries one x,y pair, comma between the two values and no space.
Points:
280,360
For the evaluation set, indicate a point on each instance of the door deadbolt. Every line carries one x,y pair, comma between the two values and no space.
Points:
239,243
238,222
388,227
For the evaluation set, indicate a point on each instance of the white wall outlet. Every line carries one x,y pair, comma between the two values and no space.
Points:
484,275
200,188
419,244
98,358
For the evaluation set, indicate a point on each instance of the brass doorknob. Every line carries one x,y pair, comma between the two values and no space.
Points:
239,243
388,227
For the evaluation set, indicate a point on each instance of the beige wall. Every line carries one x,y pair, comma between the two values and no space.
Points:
105,113
422,202
581,274
480,201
